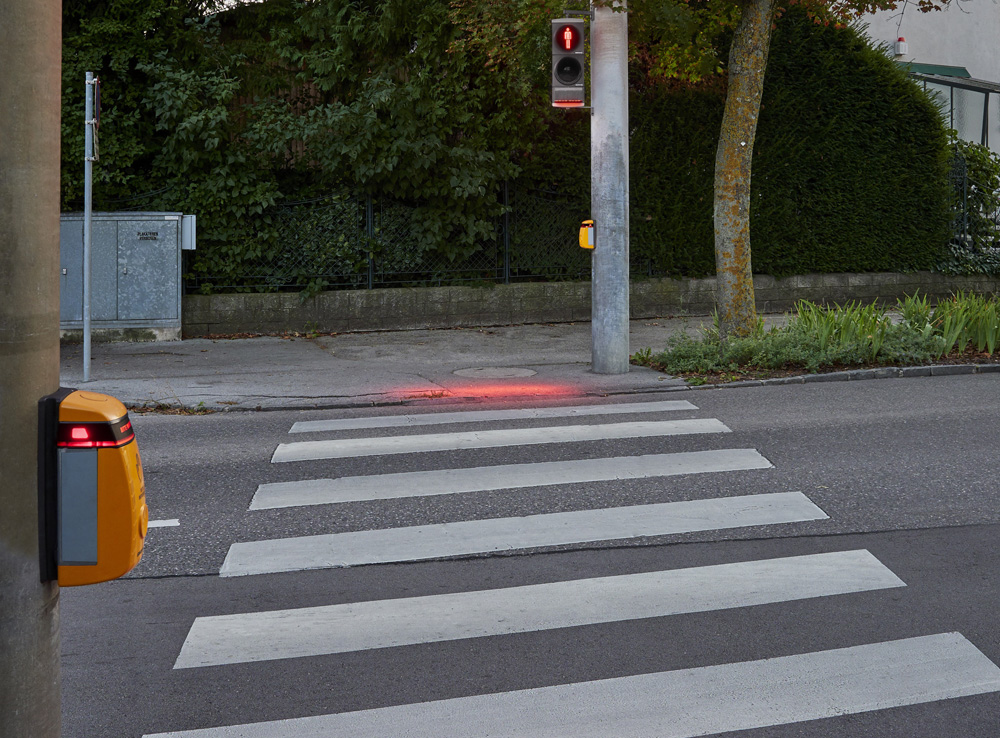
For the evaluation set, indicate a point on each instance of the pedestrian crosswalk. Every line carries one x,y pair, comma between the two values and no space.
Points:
675,704
468,537
488,416
312,631
508,476
382,446
679,703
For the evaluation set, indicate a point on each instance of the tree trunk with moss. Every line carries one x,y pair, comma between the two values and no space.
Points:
747,64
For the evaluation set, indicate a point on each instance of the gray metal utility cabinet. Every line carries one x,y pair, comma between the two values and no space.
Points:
135,273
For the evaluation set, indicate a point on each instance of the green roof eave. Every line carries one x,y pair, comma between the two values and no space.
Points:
941,70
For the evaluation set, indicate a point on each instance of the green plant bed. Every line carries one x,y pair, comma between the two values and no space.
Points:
962,329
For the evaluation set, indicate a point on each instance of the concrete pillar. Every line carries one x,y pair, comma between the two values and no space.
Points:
609,190
30,57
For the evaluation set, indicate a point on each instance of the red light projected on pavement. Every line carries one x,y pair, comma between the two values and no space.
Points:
494,390
569,37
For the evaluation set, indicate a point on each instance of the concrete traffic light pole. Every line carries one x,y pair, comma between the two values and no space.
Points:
609,190
30,54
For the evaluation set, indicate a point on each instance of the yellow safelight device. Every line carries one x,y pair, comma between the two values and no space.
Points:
92,493
587,234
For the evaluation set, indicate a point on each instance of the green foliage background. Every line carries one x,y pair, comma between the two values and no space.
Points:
435,104
850,169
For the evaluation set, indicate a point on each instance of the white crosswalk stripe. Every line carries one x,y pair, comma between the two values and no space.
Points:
424,542
676,704
352,447
685,703
314,631
483,416
508,476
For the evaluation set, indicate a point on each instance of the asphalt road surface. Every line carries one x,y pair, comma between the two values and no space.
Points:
802,560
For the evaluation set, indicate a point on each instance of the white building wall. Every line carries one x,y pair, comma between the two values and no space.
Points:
966,33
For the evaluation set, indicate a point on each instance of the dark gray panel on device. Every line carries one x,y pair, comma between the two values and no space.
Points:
77,506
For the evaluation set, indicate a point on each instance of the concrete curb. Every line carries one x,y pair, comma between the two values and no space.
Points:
844,376
887,372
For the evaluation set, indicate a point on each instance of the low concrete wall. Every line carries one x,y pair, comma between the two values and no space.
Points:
551,302
120,335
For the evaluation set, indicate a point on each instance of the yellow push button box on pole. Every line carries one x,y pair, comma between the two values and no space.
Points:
92,496
587,234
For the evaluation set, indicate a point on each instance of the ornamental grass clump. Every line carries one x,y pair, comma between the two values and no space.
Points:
855,328
816,337
967,319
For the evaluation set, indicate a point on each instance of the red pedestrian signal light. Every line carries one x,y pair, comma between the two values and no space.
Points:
568,62
568,37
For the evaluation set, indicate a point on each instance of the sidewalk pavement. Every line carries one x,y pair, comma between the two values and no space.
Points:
364,369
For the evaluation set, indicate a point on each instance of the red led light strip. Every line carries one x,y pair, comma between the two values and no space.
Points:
95,435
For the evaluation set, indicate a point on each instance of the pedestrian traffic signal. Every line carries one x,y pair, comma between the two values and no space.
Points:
568,62
92,496
587,234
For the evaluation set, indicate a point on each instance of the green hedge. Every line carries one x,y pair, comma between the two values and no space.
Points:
850,167
850,170
853,157
672,153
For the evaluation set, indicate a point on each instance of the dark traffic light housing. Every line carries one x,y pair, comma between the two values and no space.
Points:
568,62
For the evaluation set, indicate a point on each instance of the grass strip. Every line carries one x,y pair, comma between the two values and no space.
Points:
816,338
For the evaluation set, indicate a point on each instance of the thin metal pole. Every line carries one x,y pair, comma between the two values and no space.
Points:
609,190
370,233
506,233
965,205
88,206
951,107
986,119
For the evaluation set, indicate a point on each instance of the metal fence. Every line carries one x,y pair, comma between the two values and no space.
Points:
344,241
349,241
976,211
